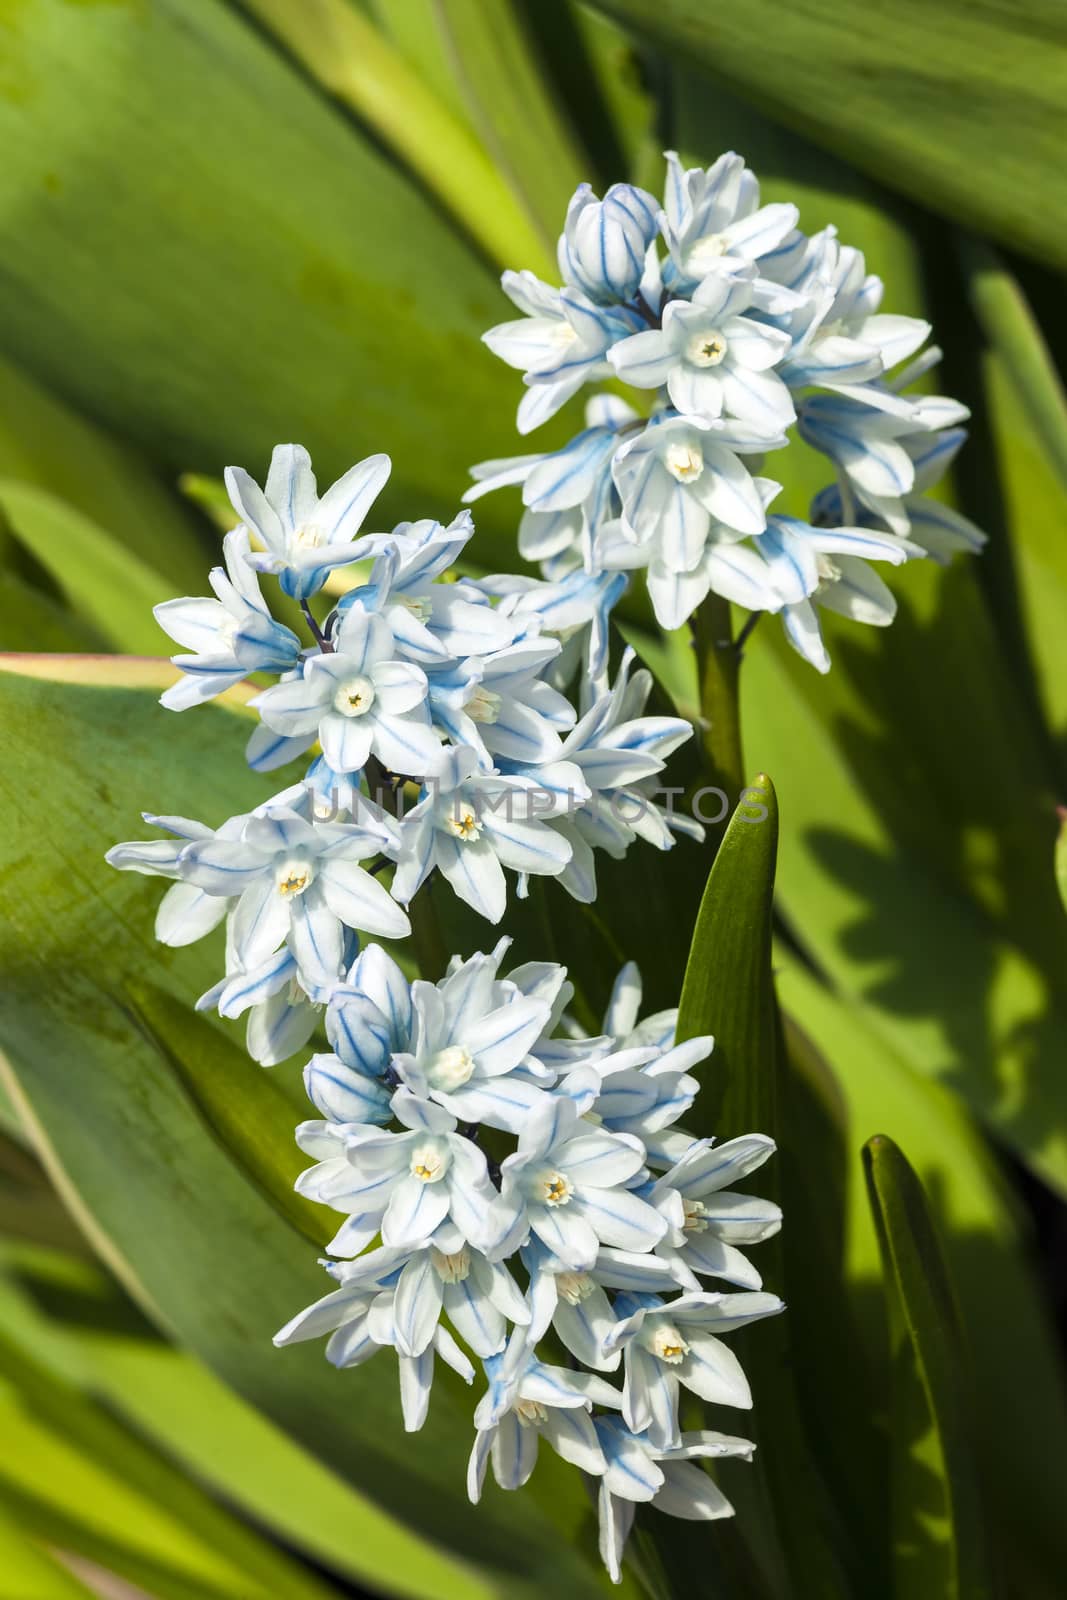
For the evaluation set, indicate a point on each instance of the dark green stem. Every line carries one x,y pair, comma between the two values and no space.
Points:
718,671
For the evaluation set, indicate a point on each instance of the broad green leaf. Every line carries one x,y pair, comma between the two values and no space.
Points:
31,620
103,583
66,1313
728,989
69,1458
352,59
412,26
248,269
729,992
955,816
1061,858
522,122
939,1528
1021,1426
1011,479
1016,339
242,1105
958,107
193,1239
46,443
31,1572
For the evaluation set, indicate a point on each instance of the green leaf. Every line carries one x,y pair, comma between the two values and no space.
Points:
45,443
522,123
353,60
1061,858
30,620
249,267
104,583
958,107
956,814
66,1313
194,1240
729,992
242,1105
1015,337
183,1536
31,1573
1021,1426
939,1528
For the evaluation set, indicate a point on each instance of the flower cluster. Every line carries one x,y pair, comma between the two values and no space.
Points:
447,726
733,327
516,1194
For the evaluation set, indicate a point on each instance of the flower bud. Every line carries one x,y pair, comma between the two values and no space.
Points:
602,248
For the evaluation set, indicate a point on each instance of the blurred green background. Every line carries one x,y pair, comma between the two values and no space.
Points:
224,225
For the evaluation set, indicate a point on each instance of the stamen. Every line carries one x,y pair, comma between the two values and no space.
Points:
684,462
463,821
450,1068
483,705
556,1189
695,1215
430,1160
668,1344
706,349
293,877
354,697
574,1287
531,1412
451,1268
309,536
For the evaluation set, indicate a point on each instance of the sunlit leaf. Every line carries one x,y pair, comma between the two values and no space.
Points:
960,108
939,1529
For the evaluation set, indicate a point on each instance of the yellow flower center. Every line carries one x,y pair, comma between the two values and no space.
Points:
684,462
695,1214
354,697
556,1190
463,822
483,705
574,1287
706,253
451,1268
531,1412
429,1161
450,1068
293,878
706,349
668,1344
309,536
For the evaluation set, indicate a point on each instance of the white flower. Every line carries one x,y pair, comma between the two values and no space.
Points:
361,1319
713,360
472,825
604,242
637,1473
230,636
298,881
527,1399
505,709
358,700
305,536
561,343
432,622
566,1183
617,752
674,1343
713,219
466,1047
716,1219
410,1182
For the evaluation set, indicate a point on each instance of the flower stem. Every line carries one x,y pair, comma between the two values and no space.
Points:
718,671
